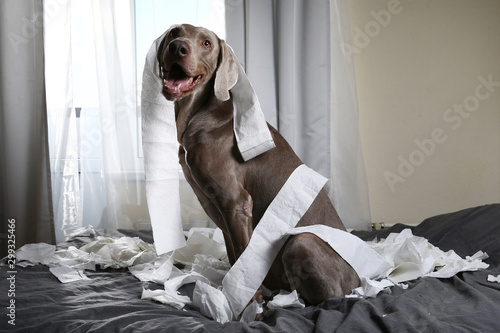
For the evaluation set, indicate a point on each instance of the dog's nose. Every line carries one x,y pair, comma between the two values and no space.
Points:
178,48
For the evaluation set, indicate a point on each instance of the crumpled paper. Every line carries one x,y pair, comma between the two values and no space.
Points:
34,254
166,297
212,302
408,256
157,271
121,252
68,265
286,299
207,270
412,257
492,278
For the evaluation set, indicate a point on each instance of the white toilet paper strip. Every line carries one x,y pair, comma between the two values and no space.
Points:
160,147
161,166
284,212
250,127
217,308
370,264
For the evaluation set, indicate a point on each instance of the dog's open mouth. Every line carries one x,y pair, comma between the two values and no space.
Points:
176,81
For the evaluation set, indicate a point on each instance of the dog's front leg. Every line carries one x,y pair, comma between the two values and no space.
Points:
222,188
239,223
236,210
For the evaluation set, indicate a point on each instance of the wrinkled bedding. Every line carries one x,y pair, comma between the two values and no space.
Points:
111,300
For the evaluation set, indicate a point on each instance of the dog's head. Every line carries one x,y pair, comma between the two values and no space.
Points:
189,57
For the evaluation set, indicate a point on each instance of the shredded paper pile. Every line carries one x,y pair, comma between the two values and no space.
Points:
204,262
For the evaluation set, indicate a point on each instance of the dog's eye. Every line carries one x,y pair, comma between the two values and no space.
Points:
207,43
174,33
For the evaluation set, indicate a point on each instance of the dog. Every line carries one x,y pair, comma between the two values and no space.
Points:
198,70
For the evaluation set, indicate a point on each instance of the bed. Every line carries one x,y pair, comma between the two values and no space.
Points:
110,301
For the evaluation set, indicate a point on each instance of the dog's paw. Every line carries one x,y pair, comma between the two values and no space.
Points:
254,311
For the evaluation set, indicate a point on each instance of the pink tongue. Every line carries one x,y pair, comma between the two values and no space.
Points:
175,82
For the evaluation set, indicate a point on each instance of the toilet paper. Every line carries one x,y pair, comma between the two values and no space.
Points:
161,167
250,127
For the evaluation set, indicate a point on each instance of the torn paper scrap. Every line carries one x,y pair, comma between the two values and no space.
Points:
121,252
371,288
34,254
67,274
211,233
492,278
286,299
86,231
405,271
184,278
198,243
211,268
157,271
212,302
414,257
166,297
74,258
162,269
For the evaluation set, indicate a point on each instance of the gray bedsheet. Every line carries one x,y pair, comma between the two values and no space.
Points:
110,301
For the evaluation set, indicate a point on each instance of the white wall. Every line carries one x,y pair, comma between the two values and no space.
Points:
420,67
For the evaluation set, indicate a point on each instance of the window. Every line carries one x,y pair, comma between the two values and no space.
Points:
93,70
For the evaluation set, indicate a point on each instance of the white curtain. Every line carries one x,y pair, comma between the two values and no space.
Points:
90,75
291,50
94,65
25,197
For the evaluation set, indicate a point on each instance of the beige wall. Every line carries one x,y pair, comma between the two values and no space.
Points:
430,121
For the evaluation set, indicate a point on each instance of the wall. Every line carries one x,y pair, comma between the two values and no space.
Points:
428,79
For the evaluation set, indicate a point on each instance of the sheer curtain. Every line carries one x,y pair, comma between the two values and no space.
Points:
90,77
94,64
292,53
25,192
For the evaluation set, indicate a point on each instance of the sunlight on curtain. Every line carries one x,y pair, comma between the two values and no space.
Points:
94,55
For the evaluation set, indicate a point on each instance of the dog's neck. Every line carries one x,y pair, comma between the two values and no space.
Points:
203,103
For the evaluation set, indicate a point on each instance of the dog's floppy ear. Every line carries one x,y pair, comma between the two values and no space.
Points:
226,75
